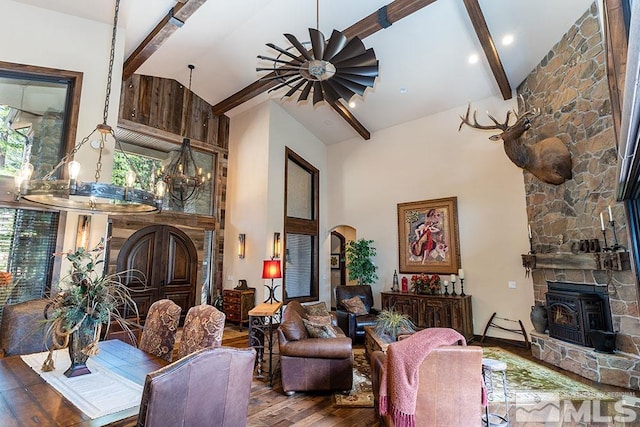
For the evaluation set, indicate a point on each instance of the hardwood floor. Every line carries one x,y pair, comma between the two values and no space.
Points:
271,407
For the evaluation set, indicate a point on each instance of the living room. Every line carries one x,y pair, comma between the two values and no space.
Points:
362,182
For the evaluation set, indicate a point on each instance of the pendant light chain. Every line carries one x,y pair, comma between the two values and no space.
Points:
105,114
318,15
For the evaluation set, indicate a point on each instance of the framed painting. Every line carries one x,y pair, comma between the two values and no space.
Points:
428,240
335,261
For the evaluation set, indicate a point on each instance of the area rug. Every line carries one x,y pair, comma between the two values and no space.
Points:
361,395
525,376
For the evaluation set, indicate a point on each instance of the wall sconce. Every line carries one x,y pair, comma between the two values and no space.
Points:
241,245
276,245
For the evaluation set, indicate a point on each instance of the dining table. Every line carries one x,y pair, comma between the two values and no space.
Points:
26,399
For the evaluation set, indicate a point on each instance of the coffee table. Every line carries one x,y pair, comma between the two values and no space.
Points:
374,342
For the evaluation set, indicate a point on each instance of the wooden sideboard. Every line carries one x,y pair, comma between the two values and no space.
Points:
429,311
236,304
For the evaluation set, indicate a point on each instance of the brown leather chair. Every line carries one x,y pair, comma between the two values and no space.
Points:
210,387
352,325
160,326
312,363
23,329
449,387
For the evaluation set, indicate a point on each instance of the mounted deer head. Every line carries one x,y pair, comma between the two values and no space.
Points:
548,160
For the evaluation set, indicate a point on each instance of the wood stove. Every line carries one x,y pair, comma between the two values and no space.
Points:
574,309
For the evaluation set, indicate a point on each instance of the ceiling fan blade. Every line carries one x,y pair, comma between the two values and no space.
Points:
317,43
363,80
369,70
285,52
337,42
342,91
356,87
305,92
266,58
330,94
353,48
287,83
279,68
294,41
282,76
317,93
365,59
295,88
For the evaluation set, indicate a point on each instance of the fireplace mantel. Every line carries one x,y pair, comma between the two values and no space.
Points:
617,261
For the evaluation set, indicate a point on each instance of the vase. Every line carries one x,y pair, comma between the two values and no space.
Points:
539,317
78,340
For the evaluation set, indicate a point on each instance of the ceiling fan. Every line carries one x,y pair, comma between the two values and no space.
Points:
333,69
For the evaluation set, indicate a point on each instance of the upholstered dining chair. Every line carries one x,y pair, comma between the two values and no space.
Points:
23,329
203,327
180,394
159,332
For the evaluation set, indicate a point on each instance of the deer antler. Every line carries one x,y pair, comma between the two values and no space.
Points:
476,125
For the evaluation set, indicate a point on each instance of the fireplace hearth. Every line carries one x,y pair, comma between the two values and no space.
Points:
575,309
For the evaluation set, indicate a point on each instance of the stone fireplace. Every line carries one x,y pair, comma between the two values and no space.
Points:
570,88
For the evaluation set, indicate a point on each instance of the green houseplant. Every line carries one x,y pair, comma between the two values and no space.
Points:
392,323
86,299
361,268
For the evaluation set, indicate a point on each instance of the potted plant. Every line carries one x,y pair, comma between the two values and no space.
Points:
86,299
361,268
391,323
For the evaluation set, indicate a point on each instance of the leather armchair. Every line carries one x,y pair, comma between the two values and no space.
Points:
449,387
352,325
207,388
312,363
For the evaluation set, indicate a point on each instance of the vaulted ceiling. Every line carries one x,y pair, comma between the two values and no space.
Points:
423,55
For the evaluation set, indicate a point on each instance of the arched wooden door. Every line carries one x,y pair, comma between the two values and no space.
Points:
168,259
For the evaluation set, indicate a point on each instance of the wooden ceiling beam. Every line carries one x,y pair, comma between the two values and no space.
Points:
489,47
367,26
346,114
174,19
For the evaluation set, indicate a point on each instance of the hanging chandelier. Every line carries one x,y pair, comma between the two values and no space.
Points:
93,197
183,178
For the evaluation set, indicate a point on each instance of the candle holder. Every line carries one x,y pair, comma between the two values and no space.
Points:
606,245
446,289
531,250
462,294
616,247
453,289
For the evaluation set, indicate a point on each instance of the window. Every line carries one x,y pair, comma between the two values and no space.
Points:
38,117
301,229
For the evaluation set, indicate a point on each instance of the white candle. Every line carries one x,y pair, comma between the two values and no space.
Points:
453,278
529,230
610,214
461,273
601,222
446,283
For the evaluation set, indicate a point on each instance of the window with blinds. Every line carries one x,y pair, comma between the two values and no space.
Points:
300,279
27,243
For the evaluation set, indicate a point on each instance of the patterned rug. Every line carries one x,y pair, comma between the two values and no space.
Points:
361,395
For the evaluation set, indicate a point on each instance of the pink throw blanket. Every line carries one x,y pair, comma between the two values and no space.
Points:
399,380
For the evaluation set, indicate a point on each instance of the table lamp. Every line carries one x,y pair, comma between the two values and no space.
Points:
271,270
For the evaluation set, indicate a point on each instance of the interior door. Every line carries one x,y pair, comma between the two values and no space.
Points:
160,262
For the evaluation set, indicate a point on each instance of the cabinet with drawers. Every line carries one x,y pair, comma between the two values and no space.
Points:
236,304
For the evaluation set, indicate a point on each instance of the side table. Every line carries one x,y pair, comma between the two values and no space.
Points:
261,321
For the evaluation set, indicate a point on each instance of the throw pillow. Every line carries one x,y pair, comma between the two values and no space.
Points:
319,331
317,309
293,327
355,305
320,320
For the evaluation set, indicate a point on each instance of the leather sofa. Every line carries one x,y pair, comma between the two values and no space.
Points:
312,363
449,387
351,324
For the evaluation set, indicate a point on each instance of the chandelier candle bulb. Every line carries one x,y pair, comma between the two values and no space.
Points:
610,214
530,236
601,222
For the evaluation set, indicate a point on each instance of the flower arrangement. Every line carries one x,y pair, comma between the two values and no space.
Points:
86,299
424,284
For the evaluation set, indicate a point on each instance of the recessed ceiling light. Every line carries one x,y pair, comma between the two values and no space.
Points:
404,90
473,58
507,39
352,104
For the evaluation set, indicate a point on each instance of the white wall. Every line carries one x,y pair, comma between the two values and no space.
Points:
40,37
255,191
427,159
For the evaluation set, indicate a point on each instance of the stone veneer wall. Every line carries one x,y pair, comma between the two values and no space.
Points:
570,88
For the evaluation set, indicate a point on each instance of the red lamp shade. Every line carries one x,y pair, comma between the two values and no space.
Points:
271,269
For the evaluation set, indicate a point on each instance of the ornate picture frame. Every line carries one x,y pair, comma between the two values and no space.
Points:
335,261
428,240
